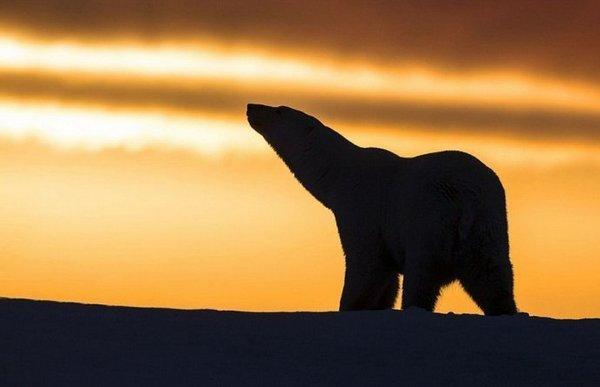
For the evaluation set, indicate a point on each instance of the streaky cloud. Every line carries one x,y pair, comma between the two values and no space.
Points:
556,38
229,98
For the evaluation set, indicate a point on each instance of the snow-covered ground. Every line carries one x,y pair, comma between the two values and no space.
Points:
49,343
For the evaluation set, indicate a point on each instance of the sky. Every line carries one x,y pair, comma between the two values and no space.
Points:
129,176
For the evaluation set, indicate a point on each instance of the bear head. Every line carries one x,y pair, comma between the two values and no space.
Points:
283,127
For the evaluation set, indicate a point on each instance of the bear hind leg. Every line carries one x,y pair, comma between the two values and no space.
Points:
490,285
486,273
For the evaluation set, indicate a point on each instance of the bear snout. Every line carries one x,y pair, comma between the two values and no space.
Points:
255,108
258,114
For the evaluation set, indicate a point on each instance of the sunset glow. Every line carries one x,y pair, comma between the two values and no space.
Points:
202,61
129,175
96,128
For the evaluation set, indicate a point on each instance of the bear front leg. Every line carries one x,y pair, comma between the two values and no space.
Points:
420,288
368,289
427,266
425,272
371,280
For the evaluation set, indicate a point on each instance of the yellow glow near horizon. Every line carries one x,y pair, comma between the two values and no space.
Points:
207,61
166,229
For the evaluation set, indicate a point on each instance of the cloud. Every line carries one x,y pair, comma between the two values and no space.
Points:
557,38
229,99
325,40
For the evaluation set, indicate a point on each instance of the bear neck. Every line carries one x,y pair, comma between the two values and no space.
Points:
317,163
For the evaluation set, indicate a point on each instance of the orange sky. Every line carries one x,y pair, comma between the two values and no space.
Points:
129,176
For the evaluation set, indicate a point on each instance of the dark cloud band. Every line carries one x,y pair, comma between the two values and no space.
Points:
231,99
559,38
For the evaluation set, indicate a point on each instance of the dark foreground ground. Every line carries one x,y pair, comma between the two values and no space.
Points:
49,343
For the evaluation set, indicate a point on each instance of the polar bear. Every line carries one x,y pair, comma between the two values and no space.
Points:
434,218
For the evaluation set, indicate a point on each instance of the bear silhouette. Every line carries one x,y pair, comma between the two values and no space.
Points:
434,218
